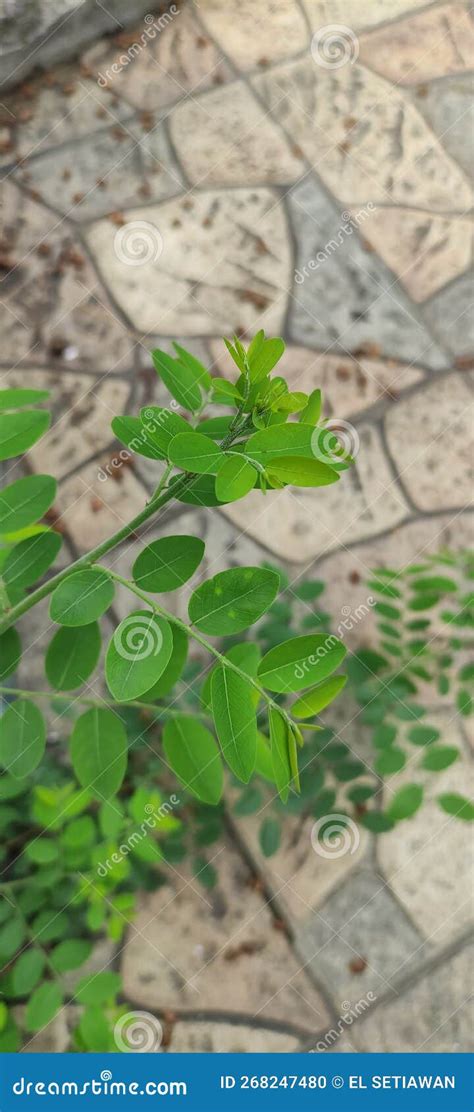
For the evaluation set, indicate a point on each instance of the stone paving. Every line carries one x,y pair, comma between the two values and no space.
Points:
253,166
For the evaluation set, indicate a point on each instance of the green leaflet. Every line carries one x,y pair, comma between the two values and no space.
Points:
200,492
279,441
279,739
192,753
405,802
180,379
195,452
246,655
81,598
42,1006
17,398
174,667
72,656
27,972
22,738
233,600
29,559
301,472
390,760
439,757
201,374
234,479
297,663
99,751
24,501
269,836
19,431
167,563
263,355
235,719
161,426
318,698
10,652
312,411
137,654
457,805
136,437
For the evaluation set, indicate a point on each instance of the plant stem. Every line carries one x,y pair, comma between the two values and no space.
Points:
95,554
156,707
210,648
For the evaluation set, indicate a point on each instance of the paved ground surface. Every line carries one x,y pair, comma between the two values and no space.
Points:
264,169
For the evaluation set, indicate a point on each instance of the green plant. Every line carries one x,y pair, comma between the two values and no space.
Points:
67,826
425,624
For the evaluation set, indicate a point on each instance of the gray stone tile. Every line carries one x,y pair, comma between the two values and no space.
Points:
434,1015
360,920
449,109
449,315
349,299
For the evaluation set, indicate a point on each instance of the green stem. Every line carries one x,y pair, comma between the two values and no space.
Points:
210,648
24,693
95,554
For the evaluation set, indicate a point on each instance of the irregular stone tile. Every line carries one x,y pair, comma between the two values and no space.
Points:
360,920
61,107
224,265
431,434
364,138
434,43
348,299
53,309
82,410
298,525
349,385
300,879
424,251
209,1036
451,115
225,138
261,35
346,572
418,866
92,509
177,61
103,176
217,949
353,14
449,314
434,1015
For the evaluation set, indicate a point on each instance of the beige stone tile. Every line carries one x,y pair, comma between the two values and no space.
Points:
299,878
226,138
346,121
416,857
349,385
436,43
434,1016
179,60
424,251
82,410
431,434
92,510
53,309
260,34
184,951
224,264
300,524
214,1037
356,15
